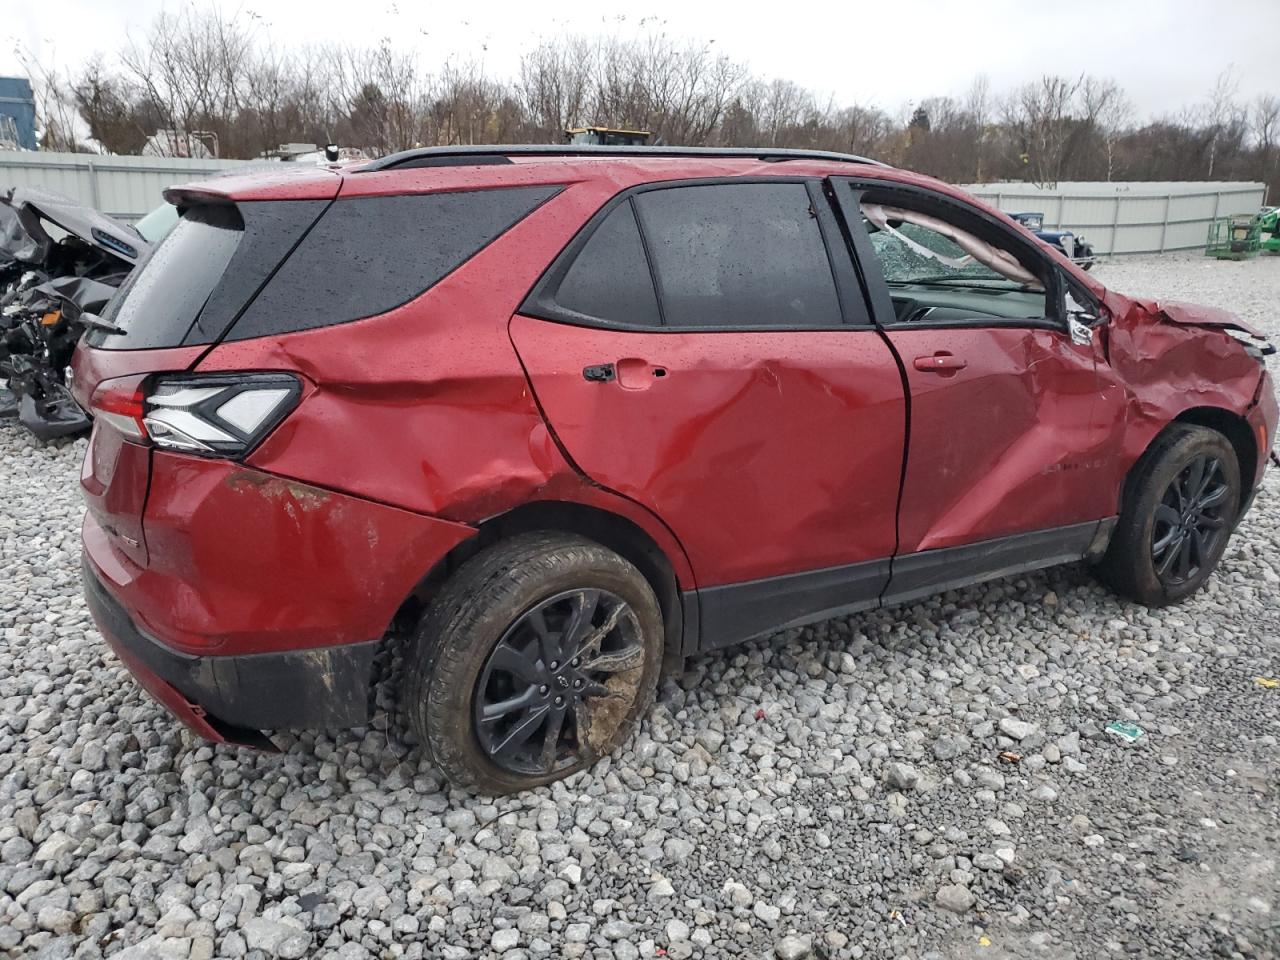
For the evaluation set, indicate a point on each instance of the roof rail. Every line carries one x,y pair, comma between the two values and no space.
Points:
498,154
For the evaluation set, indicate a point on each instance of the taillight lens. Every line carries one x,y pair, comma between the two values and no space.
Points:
120,404
218,416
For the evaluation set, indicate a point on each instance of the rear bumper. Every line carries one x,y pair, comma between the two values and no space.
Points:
230,699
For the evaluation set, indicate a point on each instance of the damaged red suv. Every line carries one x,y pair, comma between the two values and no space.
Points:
573,415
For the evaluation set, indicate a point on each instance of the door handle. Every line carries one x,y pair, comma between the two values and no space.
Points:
631,373
599,373
941,362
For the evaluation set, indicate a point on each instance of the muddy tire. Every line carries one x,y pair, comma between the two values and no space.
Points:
1178,514
534,660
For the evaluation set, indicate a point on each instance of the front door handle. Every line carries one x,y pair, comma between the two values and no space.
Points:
941,362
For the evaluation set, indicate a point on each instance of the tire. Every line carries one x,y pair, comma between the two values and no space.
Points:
1144,560
521,594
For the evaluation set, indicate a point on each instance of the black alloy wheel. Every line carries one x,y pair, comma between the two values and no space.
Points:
550,692
535,658
1181,503
1190,520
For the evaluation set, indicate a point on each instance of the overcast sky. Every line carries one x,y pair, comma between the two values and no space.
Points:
1165,53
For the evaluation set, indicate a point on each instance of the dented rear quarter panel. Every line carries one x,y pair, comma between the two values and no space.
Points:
245,562
427,407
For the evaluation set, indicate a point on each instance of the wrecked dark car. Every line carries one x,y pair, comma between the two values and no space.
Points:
1074,247
550,420
60,264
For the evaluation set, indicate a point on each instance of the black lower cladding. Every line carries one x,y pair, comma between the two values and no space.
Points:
324,687
741,611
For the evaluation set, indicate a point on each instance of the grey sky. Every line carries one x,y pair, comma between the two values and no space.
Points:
1165,53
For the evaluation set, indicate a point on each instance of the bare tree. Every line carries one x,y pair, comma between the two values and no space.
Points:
217,79
1040,115
1108,112
56,113
1223,115
1264,122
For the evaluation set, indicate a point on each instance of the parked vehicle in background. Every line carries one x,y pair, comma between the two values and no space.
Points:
606,137
563,417
60,263
1074,248
1269,229
1234,237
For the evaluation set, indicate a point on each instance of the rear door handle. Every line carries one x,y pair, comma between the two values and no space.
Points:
940,362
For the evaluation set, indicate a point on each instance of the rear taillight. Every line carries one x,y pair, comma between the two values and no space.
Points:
119,403
219,416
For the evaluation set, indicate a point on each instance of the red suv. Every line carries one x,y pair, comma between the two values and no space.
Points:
574,415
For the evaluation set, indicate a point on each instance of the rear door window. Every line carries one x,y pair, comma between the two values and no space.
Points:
739,255
609,280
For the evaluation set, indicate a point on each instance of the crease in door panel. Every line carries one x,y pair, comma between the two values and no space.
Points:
582,474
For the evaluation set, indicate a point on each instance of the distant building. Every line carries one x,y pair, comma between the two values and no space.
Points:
17,114
311,153
176,143
290,151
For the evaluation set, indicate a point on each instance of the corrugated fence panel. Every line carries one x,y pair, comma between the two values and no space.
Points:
125,187
1129,217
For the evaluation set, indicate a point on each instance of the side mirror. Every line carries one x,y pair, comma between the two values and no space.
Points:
1081,333
1081,318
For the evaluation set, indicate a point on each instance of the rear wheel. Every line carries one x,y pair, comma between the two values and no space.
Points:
536,658
1180,512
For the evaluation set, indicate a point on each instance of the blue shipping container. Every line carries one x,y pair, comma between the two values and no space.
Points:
18,101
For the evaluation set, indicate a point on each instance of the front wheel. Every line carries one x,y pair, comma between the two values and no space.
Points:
1180,510
535,659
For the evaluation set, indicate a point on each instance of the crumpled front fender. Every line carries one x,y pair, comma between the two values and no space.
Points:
1198,315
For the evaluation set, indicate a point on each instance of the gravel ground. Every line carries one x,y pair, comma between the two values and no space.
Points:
837,793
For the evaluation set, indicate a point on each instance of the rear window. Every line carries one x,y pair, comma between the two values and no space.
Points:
368,255
159,302
610,279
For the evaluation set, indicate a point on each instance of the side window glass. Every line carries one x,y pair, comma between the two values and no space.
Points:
739,255
937,270
368,255
609,280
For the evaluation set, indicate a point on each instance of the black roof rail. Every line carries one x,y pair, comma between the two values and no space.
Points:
499,153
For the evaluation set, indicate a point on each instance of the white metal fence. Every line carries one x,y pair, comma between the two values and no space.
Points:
1120,218
124,187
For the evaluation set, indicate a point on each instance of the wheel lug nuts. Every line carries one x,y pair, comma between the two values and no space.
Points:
577,684
543,690
555,664
559,701
576,661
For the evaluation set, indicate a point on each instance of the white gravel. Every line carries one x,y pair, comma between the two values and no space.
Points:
836,793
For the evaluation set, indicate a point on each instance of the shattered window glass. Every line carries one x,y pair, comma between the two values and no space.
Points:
905,263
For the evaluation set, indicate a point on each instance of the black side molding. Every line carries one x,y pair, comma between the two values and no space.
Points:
742,611
919,575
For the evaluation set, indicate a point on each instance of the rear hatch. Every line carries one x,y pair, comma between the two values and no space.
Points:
230,239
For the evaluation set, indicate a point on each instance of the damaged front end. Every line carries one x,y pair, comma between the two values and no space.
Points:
1186,362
